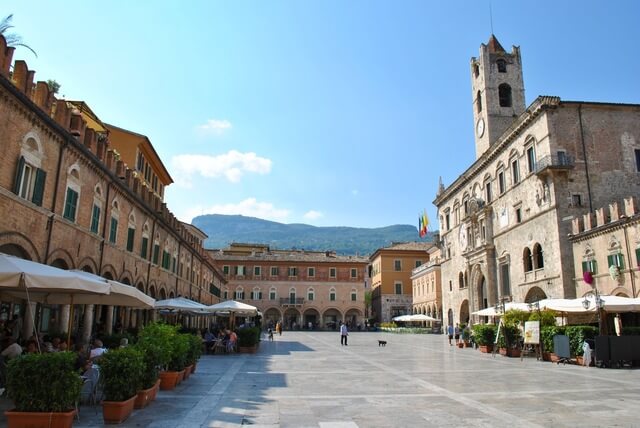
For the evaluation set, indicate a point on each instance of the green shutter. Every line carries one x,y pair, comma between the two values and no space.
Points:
156,251
113,231
131,233
610,261
143,251
638,256
38,190
620,259
585,267
70,205
594,266
95,218
18,179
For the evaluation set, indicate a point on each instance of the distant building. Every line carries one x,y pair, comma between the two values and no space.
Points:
504,221
296,287
427,286
390,269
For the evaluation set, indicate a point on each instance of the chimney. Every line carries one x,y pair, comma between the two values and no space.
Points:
120,166
90,139
75,126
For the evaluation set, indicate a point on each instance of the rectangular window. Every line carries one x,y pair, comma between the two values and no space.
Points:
418,263
293,271
274,271
29,182
156,254
616,260
143,250
95,218
311,272
226,294
131,233
272,295
638,256
450,286
256,271
563,160
515,171
398,288
446,221
113,230
518,215
332,272
239,294
504,280
576,200
531,159
332,297
397,265
501,187
238,270
70,205
310,296
225,270
589,266
354,273
353,297
637,152
488,191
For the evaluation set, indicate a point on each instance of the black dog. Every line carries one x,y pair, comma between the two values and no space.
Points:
382,343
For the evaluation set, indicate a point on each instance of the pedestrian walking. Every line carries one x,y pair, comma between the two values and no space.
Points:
456,333
450,333
343,334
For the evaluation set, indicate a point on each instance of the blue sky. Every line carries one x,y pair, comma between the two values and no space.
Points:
331,113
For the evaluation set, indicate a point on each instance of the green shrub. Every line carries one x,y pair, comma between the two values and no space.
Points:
547,317
195,348
121,371
159,337
577,334
151,356
388,325
248,336
631,331
514,317
509,336
44,382
546,336
179,351
484,334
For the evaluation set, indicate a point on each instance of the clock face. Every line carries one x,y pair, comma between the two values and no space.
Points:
463,236
480,127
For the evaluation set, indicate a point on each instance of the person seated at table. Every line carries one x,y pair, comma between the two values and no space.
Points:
209,339
97,350
231,343
81,356
32,347
47,347
55,343
63,347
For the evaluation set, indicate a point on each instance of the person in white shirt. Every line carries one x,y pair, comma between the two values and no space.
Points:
98,349
343,334
11,351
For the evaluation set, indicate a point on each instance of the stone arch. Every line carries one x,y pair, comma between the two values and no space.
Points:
126,277
152,291
272,316
535,294
110,270
292,319
480,288
353,317
450,317
87,264
331,317
140,286
163,293
108,275
621,291
172,294
141,280
18,245
464,312
311,315
63,256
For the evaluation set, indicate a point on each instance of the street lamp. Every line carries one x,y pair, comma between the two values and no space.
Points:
599,303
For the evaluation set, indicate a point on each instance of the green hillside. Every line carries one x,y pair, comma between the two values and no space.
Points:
225,229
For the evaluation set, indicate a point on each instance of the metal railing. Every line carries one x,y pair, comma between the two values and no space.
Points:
555,161
286,301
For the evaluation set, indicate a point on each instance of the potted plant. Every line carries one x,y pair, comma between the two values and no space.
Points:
44,388
194,352
466,336
248,339
122,371
484,336
162,336
179,351
577,335
152,360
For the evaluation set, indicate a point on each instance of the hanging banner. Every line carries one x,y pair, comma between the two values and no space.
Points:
532,332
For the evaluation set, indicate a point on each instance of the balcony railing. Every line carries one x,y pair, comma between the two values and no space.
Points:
288,301
555,162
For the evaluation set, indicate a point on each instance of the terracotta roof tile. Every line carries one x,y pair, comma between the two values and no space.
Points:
494,45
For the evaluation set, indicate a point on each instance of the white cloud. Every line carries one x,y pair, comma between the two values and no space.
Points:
250,207
215,126
312,215
231,165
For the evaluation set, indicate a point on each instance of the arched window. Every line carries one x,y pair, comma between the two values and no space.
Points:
504,94
460,280
502,65
239,295
332,294
30,179
292,296
538,258
272,293
354,295
526,260
256,294
113,222
311,294
476,70
72,196
479,101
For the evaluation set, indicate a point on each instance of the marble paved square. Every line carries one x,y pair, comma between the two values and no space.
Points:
307,379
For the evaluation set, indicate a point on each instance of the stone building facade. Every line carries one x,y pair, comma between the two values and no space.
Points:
390,269
607,244
67,199
504,221
296,287
427,286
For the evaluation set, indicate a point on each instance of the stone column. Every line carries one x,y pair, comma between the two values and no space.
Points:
63,322
134,318
108,323
27,321
87,324
127,319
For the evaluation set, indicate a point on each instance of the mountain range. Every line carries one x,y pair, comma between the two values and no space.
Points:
226,229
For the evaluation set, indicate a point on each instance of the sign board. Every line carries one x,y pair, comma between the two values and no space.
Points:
532,332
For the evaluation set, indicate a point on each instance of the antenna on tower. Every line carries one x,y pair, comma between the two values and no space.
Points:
491,16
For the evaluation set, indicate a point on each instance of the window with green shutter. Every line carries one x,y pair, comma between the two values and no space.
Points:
332,297
143,250
353,297
38,188
113,230
173,267
70,205
156,253
131,233
638,256
95,219
615,260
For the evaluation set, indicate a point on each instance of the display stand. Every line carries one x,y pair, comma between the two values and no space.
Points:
531,342
495,342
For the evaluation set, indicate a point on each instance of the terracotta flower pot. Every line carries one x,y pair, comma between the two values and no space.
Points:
187,372
193,369
460,344
513,353
168,380
180,376
503,351
115,412
145,396
546,356
554,358
39,419
248,349
485,349
154,393
579,360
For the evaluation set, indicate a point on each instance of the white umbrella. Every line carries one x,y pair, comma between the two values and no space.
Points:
181,304
609,304
402,318
232,308
421,317
491,311
119,294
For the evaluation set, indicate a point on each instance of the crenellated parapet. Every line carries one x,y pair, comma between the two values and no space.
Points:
603,216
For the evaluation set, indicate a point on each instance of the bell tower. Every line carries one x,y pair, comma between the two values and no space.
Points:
497,91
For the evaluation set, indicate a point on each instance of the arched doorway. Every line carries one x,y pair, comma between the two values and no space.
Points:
330,319
534,294
450,317
15,250
292,319
271,317
311,316
464,312
352,318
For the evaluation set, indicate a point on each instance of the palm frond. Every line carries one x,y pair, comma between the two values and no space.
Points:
12,39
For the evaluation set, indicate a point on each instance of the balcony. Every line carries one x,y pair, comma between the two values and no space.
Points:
291,302
552,163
